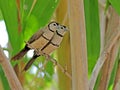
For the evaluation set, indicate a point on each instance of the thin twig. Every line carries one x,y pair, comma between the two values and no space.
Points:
9,72
64,70
33,4
39,70
48,57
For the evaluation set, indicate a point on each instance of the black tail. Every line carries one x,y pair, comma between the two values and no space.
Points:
27,66
21,53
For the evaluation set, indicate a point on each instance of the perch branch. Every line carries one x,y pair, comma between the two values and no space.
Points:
48,57
39,70
9,72
64,70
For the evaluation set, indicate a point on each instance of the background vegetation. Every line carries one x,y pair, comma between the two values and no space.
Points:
90,50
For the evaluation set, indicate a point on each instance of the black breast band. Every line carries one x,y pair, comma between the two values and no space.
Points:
45,37
59,34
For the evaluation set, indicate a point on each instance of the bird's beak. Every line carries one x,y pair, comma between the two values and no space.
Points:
67,29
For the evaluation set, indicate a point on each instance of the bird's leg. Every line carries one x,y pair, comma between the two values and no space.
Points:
39,52
47,56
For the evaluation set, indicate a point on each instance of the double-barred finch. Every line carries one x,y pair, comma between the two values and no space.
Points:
38,40
51,46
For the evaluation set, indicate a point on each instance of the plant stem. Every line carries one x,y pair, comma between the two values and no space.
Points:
9,72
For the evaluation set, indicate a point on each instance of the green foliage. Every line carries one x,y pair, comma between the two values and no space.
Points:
4,80
116,5
49,72
23,22
1,17
9,12
107,5
93,32
35,18
32,17
112,77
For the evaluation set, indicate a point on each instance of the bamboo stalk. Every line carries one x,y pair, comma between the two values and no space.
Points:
9,72
101,61
63,52
78,45
111,41
102,22
113,25
108,67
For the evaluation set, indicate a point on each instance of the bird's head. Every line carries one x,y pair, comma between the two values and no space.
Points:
53,26
62,30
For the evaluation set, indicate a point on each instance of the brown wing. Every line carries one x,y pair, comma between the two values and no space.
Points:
36,35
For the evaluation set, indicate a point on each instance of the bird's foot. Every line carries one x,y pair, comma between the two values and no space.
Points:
47,56
38,52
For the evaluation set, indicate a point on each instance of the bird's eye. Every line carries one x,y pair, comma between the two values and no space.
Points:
62,27
54,24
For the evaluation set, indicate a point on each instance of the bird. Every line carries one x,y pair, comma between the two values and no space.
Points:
38,40
53,44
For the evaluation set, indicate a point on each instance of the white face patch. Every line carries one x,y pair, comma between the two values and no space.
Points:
62,30
53,26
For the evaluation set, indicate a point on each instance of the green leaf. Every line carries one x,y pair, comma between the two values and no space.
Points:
37,15
93,32
114,72
1,17
49,71
33,16
4,80
116,5
107,5
9,12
